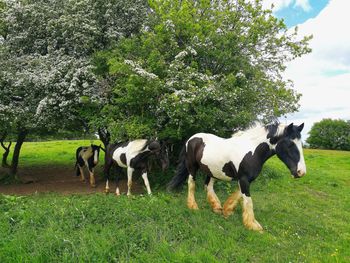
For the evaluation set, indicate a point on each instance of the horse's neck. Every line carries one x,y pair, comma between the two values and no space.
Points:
255,141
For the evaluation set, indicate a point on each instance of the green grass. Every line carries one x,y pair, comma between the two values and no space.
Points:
305,220
56,153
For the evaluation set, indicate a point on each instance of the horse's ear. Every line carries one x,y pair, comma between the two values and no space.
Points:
300,128
290,128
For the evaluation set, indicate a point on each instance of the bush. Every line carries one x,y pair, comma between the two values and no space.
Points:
330,134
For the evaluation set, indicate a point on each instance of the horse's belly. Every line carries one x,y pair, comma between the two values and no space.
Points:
221,176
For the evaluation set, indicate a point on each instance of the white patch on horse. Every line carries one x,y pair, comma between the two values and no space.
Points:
95,157
86,153
219,151
301,169
131,150
116,156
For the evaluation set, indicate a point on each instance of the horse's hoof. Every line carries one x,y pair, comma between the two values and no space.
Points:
106,191
193,207
93,185
217,210
226,213
255,226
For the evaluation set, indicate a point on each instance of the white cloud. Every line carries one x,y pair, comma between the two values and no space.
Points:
323,77
304,4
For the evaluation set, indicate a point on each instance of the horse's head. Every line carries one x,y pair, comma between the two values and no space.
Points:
289,150
96,152
160,150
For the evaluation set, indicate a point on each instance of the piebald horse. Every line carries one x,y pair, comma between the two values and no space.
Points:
239,158
87,156
134,155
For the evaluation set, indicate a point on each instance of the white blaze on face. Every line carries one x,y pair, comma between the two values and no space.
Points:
301,165
95,157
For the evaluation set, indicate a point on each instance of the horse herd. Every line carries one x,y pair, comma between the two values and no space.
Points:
239,158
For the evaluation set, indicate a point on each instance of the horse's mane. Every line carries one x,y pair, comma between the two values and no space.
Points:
273,129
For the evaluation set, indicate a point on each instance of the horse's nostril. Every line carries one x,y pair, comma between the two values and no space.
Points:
300,172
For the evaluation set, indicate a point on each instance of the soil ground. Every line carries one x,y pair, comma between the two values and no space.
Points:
62,180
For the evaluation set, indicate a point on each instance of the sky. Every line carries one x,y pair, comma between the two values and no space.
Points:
322,77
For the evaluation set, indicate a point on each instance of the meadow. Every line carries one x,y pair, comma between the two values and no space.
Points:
304,220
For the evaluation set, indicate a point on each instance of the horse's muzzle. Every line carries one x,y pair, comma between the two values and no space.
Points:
298,174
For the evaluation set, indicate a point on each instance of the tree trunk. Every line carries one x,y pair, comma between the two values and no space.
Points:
22,133
104,135
5,155
6,148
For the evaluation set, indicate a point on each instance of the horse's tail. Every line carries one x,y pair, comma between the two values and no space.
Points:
108,160
181,172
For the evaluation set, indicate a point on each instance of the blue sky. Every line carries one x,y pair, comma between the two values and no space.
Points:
323,76
297,14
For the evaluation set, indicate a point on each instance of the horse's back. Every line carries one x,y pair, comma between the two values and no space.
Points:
216,152
128,150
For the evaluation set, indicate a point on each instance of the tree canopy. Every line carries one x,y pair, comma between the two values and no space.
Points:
200,66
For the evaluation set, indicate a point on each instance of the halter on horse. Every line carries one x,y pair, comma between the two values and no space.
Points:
134,155
239,158
87,156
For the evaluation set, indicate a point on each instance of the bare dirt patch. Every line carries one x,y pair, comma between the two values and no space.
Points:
61,180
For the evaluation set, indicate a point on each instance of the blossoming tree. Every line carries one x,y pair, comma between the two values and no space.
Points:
45,70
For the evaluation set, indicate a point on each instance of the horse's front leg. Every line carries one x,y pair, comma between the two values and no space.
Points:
145,179
82,177
130,172
247,205
212,197
92,177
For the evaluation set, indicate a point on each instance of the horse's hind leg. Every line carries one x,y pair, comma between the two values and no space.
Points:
106,170
145,179
191,201
130,172
212,197
118,171
231,203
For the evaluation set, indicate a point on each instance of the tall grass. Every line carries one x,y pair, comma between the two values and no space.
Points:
305,220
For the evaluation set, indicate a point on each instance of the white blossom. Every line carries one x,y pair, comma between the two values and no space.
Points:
139,70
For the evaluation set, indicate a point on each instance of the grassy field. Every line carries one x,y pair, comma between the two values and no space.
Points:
305,220
56,153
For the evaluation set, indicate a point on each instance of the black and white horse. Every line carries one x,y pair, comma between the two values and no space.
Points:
134,155
240,158
87,156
